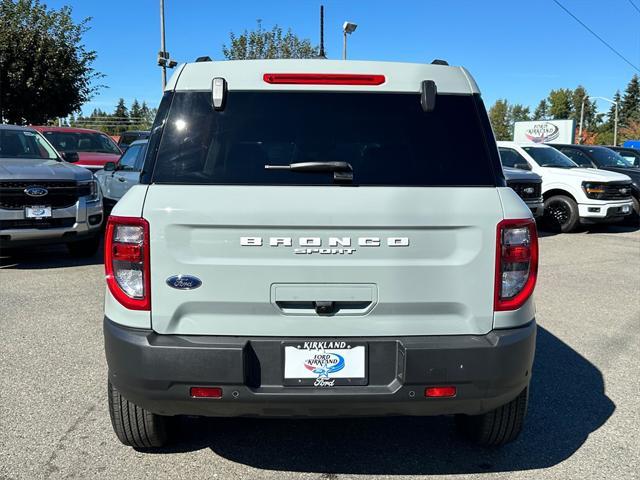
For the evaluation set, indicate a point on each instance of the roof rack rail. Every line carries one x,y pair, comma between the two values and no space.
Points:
206,58
437,61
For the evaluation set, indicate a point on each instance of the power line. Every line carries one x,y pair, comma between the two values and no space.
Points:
634,6
597,36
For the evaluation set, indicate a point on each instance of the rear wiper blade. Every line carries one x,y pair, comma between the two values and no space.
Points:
342,171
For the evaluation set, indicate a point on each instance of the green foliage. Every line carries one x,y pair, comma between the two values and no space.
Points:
591,118
499,118
542,111
630,104
560,105
261,43
138,117
518,113
45,70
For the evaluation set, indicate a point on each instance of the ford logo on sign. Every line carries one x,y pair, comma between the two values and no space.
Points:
184,282
36,191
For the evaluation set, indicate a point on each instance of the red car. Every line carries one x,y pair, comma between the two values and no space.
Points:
86,148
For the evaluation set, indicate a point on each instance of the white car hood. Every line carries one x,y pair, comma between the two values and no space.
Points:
588,174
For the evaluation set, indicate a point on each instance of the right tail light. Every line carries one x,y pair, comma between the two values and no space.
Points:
516,263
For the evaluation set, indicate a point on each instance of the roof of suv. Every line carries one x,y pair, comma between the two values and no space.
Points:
248,75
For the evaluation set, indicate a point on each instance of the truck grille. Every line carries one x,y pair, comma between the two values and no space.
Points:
37,224
616,191
59,194
526,191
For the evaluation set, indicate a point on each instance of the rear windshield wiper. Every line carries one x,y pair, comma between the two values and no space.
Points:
342,171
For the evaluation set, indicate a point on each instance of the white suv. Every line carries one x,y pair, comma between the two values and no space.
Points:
572,195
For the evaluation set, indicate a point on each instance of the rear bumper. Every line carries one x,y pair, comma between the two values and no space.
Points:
156,372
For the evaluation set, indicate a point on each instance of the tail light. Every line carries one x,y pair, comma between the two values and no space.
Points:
516,263
323,79
126,261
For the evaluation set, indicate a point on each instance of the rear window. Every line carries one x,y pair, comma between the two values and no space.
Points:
386,137
82,142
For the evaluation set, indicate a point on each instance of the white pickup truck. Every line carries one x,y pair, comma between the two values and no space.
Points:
572,195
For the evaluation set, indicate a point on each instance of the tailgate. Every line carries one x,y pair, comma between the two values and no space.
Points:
382,260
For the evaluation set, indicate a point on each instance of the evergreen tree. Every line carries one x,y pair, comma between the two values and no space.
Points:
630,104
500,121
560,107
542,111
518,113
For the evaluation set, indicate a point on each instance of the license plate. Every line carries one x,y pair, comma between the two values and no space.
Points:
325,363
37,212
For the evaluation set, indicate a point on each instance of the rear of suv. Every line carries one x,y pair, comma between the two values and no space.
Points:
303,243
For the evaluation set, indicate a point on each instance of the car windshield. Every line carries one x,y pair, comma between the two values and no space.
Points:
607,158
25,144
82,142
386,138
549,157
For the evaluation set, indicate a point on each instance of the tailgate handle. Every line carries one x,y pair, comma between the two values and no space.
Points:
322,307
324,299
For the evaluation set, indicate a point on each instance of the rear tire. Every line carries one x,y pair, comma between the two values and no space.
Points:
561,214
84,248
135,426
497,427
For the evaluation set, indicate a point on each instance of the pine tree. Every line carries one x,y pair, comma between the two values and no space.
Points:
518,113
630,104
499,117
560,107
542,111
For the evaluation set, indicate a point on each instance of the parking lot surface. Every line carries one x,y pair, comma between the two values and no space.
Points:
583,422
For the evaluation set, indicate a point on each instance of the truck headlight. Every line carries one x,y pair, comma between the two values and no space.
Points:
593,190
92,188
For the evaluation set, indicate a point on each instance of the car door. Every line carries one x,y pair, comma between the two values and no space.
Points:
127,173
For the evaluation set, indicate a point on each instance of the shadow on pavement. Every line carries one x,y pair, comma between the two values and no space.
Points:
53,256
567,403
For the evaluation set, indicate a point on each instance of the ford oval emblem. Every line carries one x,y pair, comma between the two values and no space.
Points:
36,191
184,282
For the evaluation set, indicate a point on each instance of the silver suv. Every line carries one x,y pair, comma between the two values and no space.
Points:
43,199
306,242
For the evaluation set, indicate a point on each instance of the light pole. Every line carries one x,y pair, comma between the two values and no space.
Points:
164,60
615,118
347,28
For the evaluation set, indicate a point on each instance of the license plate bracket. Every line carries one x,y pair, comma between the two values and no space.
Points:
325,363
37,211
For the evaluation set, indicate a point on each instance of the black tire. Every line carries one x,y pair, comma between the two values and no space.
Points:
84,248
561,214
135,426
497,427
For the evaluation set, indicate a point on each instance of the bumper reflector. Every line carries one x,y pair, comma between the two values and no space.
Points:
206,392
440,392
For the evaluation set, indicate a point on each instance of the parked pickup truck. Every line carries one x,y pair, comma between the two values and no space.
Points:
44,199
303,243
528,186
572,195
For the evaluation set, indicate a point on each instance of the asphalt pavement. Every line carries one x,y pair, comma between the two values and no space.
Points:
583,422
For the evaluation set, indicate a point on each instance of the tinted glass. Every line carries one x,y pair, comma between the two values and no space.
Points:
511,158
130,158
128,138
578,157
24,144
607,158
387,138
550,157
82,142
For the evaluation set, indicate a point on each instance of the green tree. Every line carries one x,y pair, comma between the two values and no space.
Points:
542,111
136,111
500,121
45,69
518,113
261,43
630,104
560,106
591,117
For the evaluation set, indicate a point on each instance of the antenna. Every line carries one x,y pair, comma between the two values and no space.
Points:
321,54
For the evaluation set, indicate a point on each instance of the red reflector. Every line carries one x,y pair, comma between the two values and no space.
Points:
440,392
127,252
516,254
206,392
323,79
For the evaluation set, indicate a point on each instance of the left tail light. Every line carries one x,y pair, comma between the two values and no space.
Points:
126,261
516,263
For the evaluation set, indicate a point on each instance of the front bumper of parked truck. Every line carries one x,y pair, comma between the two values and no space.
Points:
157,372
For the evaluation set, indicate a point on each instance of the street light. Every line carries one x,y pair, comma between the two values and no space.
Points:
347,28
164,60
615,120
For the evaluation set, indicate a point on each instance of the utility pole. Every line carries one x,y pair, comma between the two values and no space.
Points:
163,51
581,119
615,127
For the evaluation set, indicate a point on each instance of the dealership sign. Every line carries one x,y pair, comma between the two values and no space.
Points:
545,131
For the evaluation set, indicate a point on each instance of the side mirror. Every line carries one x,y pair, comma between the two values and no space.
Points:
522,166
110,167
71,157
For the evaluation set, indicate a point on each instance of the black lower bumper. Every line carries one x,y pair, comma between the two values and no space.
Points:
157,371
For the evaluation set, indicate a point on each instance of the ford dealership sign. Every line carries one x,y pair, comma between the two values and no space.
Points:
545,131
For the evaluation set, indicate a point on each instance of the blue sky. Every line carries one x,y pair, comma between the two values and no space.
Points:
516,50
